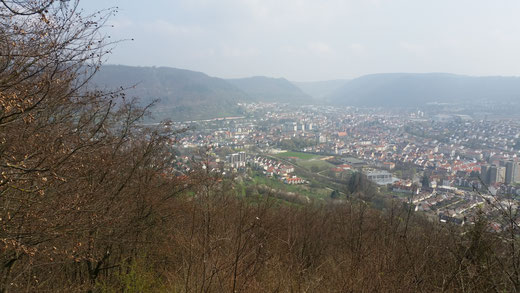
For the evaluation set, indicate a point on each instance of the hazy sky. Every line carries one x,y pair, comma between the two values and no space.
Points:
305,40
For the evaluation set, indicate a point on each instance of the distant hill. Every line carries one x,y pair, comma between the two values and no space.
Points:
183,94
266,89
320,89
190,95
410,89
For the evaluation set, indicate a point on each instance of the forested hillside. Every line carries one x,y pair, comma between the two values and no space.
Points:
320,90
266,89
412,90
179,94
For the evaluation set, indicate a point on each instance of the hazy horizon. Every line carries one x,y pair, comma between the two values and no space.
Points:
310,81
307,40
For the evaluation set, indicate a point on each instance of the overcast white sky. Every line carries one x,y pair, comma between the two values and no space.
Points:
306,40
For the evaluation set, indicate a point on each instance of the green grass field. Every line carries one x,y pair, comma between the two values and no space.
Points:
321,165
299,155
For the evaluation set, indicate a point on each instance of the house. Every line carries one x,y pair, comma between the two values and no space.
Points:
345,167
406,187
447,219
389,165
380,177
293,180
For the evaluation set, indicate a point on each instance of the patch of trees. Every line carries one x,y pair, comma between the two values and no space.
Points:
405,170
219,242
335,161
296,143
359,184
425,180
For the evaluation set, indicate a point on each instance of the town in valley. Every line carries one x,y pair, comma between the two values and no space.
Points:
447,164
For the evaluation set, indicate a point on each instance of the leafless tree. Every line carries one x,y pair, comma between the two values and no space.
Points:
75,169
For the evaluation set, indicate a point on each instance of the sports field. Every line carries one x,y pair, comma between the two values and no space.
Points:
299,155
